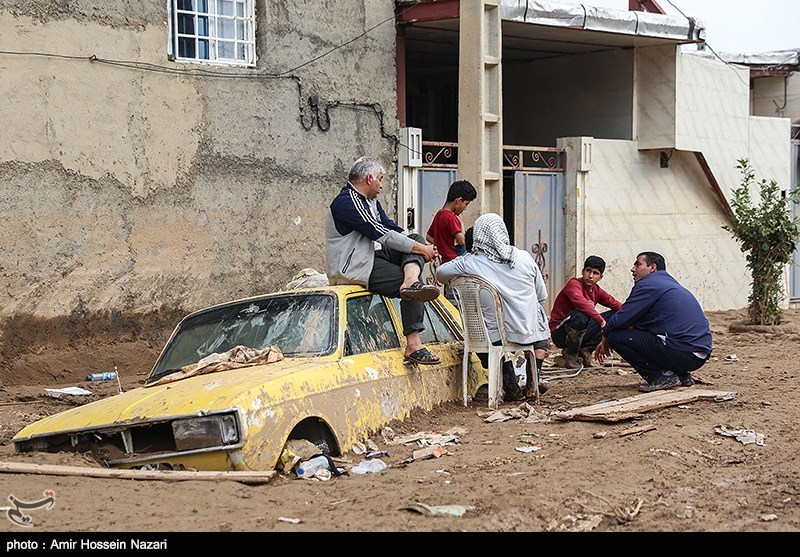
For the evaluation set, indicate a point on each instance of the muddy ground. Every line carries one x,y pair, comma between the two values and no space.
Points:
677,474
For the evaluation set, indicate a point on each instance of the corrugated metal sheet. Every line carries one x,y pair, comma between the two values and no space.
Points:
582,16
775,58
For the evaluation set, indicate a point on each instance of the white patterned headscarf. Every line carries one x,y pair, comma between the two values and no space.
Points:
490,239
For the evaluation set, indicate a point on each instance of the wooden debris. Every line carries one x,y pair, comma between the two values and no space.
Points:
631,407
118,473
635,430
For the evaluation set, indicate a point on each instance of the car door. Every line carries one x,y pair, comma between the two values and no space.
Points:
373,354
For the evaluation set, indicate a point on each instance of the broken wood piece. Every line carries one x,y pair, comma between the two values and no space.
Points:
630,407
118,473
635,430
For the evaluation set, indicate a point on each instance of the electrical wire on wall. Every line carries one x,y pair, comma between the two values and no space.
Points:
312,111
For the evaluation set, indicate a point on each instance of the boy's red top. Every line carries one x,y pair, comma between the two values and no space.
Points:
443,229
575,295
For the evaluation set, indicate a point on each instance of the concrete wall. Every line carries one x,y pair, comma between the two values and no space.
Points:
123,188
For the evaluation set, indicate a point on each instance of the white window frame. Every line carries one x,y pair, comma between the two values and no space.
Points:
213,31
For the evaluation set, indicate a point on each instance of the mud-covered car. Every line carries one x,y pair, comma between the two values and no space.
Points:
238,380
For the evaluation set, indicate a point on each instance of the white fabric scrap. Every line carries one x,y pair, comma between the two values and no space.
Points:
744,436
56,393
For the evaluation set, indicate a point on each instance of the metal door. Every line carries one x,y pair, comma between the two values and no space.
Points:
433,186
540,225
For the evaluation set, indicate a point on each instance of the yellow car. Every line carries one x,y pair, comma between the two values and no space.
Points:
238,380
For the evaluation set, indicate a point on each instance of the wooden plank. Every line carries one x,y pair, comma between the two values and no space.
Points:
119,473
630,407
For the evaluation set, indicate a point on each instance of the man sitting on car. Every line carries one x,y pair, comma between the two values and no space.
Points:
366,247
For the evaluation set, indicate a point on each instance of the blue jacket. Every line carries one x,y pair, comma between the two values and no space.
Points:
660,305
353,225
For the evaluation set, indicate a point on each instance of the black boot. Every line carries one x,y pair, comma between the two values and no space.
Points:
511,390
573,339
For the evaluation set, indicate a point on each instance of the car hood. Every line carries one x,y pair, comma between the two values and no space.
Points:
194,395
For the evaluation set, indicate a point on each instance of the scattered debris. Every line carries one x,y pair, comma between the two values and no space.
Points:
524,412
369,466
306,278
428,452
731,358
744,436
670,453
528,449
359,448
769,517
296,450
622,514
575,523
56,393
434,510
424,439
289,520
600,434
700,380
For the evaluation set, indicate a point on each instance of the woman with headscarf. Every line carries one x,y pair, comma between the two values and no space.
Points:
519,281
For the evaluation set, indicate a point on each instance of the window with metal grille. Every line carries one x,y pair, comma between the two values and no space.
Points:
213,31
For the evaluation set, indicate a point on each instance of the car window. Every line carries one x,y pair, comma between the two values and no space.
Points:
369,326
436,328
299,324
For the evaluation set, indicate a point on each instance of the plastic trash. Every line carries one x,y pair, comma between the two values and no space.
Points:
56,393
309,468
105,376
520,367
368,466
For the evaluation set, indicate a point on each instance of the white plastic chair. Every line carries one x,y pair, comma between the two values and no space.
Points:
476,337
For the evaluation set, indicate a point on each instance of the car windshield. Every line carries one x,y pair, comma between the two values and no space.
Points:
299,324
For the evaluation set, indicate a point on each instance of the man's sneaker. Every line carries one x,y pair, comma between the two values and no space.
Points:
686,380
662,383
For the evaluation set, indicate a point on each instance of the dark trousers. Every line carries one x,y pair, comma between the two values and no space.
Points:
649,356
579,321
387,276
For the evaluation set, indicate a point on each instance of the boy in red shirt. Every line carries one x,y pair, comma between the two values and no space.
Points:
575,325
446,231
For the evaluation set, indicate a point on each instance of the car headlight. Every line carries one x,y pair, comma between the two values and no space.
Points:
205,431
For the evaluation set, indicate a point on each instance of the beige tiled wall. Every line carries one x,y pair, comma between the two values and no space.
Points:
631,204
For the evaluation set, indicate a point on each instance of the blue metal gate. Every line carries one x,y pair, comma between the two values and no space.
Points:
540,225
535,218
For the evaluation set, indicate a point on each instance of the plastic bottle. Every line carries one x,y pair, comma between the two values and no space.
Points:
308,468
105,376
